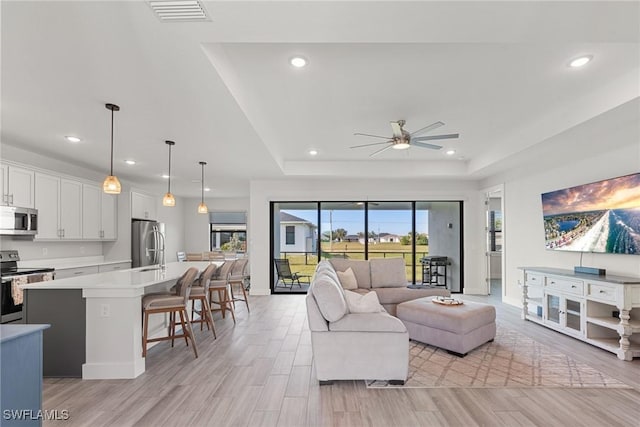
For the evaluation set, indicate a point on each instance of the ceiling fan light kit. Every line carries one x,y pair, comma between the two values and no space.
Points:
168,199
402,139
111,184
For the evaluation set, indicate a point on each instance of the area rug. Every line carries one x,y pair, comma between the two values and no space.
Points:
511,360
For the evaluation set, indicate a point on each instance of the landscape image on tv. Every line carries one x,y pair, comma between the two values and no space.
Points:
603,216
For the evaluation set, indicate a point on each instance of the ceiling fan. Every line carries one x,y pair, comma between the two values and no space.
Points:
402,139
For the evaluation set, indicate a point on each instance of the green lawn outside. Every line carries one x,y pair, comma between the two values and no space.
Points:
354,250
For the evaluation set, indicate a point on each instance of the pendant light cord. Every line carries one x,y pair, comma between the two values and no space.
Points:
202,200
111,173
169,169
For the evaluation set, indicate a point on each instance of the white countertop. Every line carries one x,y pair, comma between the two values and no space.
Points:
134,278
64,263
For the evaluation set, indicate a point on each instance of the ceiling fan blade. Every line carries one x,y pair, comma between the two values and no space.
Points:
397,129
367,145
425,145
375,153
432,126
373,136
434,137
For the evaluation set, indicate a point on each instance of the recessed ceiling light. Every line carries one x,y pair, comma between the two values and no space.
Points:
298,61
72,139
313,152
580,62
165,176
130,162
207,189
450,152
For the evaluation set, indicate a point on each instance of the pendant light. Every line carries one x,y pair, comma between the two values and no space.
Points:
202,208
111,185
168,199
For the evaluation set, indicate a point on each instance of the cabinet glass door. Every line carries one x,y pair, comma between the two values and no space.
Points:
573,314
553,309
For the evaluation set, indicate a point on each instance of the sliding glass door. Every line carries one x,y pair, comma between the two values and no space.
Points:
427,235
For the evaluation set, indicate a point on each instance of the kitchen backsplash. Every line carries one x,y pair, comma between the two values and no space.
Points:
30,249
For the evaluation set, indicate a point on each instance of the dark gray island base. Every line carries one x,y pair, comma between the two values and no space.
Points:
64,343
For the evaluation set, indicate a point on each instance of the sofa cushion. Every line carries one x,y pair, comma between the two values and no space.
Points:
388,273
347,279
324,267
329,297
359,303
398,295
368,322
360,269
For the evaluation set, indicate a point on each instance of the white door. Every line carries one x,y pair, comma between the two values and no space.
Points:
47,194
494,252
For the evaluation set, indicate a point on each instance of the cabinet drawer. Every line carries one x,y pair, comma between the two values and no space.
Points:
601,292
75,272
534,279
114,267
575,287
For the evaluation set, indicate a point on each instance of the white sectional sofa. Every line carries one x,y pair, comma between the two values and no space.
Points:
351,346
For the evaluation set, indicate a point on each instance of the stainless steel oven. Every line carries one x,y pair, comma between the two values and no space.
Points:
12,277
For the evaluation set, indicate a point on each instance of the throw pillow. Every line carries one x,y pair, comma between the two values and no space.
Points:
359,303
347,279
330,298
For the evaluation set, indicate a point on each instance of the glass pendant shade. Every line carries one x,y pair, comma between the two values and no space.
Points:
202,207
111,185
168,200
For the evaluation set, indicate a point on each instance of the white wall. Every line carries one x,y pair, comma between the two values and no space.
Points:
266,191
524,237
445,241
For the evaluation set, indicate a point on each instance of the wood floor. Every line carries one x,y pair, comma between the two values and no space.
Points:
259,373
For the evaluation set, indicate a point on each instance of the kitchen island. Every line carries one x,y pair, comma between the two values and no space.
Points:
96,320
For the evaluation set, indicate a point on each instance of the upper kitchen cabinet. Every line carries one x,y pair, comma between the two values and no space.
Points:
47,201
17,186
143,206
109,217
99,213
70,209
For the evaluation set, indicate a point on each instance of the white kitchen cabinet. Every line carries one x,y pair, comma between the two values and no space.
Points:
109,216
47,201
91,212
70,209
18,186
143,206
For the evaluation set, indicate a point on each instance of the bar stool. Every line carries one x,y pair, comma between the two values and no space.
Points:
220,284
238,276
200,292
171,304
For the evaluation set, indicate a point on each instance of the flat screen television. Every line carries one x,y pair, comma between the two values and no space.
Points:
602,216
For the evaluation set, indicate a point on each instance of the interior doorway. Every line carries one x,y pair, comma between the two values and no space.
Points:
495,254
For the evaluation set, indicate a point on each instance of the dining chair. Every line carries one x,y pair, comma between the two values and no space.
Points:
171,304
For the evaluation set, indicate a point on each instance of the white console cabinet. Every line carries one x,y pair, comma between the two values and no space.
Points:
601,310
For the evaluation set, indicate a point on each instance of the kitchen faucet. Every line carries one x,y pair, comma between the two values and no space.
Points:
158,247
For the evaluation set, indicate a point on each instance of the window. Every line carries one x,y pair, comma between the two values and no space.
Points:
290,235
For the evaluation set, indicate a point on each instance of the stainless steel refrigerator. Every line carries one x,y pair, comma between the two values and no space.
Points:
146,245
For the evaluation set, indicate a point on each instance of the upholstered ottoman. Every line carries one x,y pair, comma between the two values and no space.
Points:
457,328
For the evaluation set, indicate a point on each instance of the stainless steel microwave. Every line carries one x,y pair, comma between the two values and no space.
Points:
18,221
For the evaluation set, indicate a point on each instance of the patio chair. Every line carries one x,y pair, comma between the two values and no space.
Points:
284,274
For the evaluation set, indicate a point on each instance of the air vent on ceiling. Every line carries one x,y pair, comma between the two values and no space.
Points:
178,10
